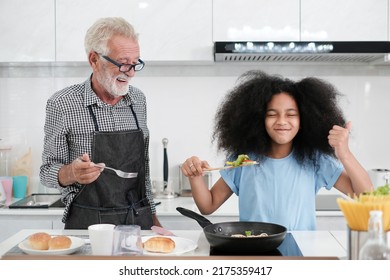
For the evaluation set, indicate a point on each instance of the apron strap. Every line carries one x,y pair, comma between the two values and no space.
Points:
134,114
95,120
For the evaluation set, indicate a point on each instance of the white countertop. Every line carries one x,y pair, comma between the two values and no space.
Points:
166,208
311,243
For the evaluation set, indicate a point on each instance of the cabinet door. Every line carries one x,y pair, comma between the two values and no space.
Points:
331,223
27,30
344,20
175,30
74,17
170,30
256,20
12,224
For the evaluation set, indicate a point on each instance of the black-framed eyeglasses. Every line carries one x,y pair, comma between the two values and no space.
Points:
126,67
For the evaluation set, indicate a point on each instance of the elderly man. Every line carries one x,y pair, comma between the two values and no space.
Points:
99,122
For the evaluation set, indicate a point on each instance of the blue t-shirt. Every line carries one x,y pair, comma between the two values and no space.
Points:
282,191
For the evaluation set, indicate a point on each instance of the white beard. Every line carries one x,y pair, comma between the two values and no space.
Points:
110,85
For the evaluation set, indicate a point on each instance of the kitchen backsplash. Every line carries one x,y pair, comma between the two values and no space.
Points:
182,101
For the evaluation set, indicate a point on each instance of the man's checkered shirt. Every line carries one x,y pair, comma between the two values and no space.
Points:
69,131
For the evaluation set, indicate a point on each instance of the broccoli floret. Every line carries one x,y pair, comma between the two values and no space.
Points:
383,190
239,160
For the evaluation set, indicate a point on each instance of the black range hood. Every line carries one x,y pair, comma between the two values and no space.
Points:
332,52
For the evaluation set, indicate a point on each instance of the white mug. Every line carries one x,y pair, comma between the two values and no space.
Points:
100,236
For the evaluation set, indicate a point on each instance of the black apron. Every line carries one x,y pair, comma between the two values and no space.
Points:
112,199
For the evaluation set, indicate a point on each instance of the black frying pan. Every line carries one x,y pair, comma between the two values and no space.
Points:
219,234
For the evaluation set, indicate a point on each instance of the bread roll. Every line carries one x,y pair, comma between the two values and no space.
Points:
159,245
39,241
60,242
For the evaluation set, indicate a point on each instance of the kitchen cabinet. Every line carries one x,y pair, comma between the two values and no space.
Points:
27,31
10,224
73,18
172,30
175,30
344,20
331,221
169,30
256,20
300,20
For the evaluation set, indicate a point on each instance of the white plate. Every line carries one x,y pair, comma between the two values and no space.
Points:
182,245
77,243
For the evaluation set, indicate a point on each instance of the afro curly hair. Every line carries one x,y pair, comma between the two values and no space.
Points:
240,119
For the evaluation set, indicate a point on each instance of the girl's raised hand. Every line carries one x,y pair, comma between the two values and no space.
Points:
338,138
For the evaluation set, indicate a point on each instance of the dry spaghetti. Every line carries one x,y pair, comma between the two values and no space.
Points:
357,211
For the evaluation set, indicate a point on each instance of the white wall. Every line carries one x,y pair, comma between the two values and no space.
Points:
181,105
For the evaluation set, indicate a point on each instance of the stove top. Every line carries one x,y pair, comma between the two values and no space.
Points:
288,248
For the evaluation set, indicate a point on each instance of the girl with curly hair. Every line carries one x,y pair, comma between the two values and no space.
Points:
298,135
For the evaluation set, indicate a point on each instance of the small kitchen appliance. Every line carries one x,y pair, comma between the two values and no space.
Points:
184,183
165,165
167,191
379,177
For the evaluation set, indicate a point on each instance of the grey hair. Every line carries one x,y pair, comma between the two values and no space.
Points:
104,29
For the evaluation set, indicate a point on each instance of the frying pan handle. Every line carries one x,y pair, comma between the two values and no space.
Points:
202,221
